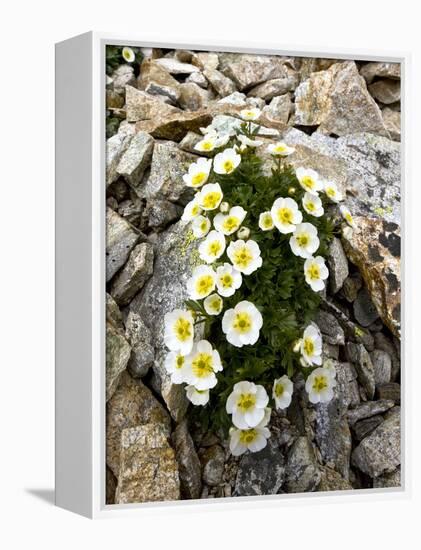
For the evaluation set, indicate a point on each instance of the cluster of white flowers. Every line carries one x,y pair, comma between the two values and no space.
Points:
228,255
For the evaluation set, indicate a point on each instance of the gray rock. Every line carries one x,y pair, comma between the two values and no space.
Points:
121,77
386,91
160,213
175,257
131,405
360,357
113,314
189,141
279,109
213,463
381,69
148,469
351,286
140,339
330,351
275,87
173,66
352,331
117,357
236,98
170,92
169,164
199,79
261,473
364,427
121,238
367,409
110,486
114,100
382,364
131,210
330,328
134,275
302,471
205,60
136,158
382,342
338,265
115,147
392,479
364,310
332,481
143,106
250,70
390,391
380,452
392,121
193,97
188,462
220,83
337,100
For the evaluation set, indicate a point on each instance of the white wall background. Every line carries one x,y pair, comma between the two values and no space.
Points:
28,32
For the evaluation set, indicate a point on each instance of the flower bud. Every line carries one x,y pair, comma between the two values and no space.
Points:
243,233
224,207
296,346
291,191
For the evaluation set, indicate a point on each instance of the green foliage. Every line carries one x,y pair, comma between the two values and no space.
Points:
114,58
278,289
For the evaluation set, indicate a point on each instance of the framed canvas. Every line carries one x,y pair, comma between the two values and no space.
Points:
228,270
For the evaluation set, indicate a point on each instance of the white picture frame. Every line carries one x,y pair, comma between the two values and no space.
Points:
80,278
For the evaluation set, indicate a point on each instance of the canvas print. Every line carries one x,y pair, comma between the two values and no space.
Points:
253,274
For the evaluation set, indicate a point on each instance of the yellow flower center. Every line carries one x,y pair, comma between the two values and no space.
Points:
204,225
198,179
182,328
242,322
308,346
311,206
280,148
202,365
308,182
215,303
330,192
231,223
279,390
302,239
248,436
226,280
313,272
211,199
320,383
204,285
228,166
246,401
285,215
349,218
195,210
267,222
179,362
207,146
214,248
243,257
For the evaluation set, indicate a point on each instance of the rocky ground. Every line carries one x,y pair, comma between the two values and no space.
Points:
343,118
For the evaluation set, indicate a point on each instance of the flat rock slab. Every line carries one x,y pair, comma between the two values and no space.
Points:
121,238
117,356
302,471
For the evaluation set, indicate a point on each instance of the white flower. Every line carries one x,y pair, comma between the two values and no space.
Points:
309,180
319,385
280,149
312,204
228,280
311,346
198,173
175,364
252,439
347,216
202,282
200,226
243,233
210,196
247,142
197,397
224,207
286,215
212,247
282,392
247,404
128,54
230,223
191,211
226,162
266,221
250,114
245,256
316,272
207,144
213,304
201,365
179,331
242,324
304,241
332,191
